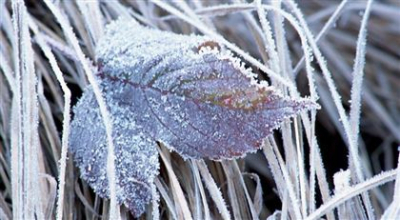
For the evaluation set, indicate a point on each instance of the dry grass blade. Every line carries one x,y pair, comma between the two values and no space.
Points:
353,191
393,211
182,208
114,212
25,142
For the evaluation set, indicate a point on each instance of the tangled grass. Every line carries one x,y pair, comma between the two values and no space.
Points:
341,162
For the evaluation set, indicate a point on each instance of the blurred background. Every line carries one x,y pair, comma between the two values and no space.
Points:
379,126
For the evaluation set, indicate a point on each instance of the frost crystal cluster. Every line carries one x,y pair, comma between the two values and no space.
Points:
183,91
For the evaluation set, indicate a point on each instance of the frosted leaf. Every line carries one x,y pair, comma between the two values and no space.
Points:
180,90
136,154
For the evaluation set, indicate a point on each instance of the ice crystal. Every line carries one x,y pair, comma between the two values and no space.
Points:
180,90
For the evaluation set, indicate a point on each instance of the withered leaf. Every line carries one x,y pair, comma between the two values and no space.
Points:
184,91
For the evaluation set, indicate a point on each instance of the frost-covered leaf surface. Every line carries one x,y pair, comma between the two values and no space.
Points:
180,90
136,154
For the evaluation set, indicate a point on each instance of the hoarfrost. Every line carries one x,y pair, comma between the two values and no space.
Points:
136,155
180,90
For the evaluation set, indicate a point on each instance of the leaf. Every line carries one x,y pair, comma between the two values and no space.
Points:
184,91
136,154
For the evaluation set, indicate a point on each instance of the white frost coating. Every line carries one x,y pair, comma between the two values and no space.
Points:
180,90
337,100
353,191
355,107
341,181
393,212
66,122
136,162
26,192
114,211
218,37
270,43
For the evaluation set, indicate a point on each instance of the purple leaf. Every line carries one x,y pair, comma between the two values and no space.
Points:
184,91
136,154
